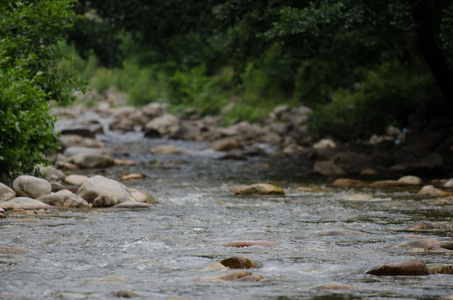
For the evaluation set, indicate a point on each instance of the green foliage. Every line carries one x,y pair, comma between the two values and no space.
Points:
29,77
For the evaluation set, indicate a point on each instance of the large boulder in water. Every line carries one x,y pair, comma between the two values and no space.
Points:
30,186
24,203
99,185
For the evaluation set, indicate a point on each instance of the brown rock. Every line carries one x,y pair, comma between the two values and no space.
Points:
385,183
259,188
131,176
440,269
225,144
412,267
238,262
410,180
427,226
165,150
235,276
348,182
431,190
240,244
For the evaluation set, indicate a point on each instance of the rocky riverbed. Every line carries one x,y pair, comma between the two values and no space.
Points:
143,204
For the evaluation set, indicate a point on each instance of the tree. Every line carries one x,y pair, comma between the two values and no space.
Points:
30,32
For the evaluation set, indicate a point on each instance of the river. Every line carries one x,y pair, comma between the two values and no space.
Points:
159,252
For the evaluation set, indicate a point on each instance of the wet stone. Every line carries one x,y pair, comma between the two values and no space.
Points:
260,188
239,262
412,267
241,276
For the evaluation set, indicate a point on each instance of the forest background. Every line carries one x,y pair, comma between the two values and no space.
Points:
361,66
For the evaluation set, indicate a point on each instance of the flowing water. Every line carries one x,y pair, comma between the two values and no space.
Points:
159,252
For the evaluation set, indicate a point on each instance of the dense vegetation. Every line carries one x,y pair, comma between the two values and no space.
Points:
362,66
30,32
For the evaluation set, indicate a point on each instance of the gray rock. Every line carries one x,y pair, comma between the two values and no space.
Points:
105,199
410,180
24,203
98,185
449,184
166,125
75,179
6,193
30,186
225,144
64,198
51,173
90,161
412,267
75,150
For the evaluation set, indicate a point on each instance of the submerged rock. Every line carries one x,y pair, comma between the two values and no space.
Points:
239,262
412,267
30,186
240,244
431,190
440,269
348,182
429,226
165,150
259,188
242,276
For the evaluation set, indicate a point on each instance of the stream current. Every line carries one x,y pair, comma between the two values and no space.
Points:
159,252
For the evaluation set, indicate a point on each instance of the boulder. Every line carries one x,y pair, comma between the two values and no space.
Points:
242,276
165,150
412,267
75,179
324,144
431,190
6,193
64,198
153,110
100,185
239,262
91,161
30,186
51,173
259,188
24,203
353,163
328,168
186,131
410,180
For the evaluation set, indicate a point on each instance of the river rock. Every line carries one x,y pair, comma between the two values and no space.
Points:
165,150
6,193
353,163
153,110
259,188
431,190
324,144
30,186
225,144
215,267
242,276
75,179
3,214
24,203
240,244
70,140
430,226
420,244
64,198
328,168
410,180
105,199
75,150
13,250
412,267
142,196
440,269
437,249
239,262
449,184
385,183
165,125
348,182
133,205
91,161
98,185
51,173
356,197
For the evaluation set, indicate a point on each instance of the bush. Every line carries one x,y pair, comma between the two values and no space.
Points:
30,32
